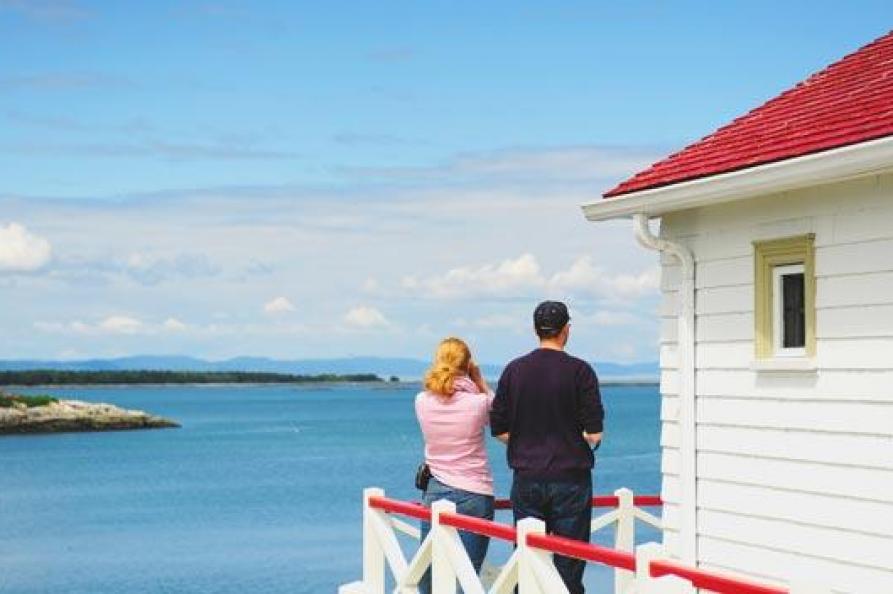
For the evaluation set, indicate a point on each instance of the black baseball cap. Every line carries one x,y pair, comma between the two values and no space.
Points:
550,317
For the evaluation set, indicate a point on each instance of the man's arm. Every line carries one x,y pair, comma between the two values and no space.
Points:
589,406
499,412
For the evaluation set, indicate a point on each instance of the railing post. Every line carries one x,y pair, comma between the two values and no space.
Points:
624,537
645,584
443,577
373,555
536,571
526,577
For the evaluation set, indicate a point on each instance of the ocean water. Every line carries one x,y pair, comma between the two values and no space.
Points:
259,491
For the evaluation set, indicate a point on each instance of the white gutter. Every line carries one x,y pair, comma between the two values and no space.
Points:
685,342
832,165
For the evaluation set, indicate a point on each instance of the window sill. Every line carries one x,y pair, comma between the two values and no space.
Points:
804,364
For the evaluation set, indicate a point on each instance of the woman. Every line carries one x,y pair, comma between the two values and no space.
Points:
453,411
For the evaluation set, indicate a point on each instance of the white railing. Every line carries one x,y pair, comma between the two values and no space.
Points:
647,570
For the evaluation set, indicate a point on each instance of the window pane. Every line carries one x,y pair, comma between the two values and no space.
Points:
794,323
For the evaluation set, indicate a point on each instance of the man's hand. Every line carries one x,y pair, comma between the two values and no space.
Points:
593,439
503,437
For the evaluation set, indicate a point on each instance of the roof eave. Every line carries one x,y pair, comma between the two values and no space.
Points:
837,164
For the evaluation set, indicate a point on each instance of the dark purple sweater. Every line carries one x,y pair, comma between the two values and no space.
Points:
545,400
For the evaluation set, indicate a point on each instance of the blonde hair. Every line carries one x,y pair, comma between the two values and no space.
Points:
451,360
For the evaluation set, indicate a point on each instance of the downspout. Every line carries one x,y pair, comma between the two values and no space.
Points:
685,342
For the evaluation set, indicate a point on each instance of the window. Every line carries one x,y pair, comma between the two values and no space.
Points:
784,313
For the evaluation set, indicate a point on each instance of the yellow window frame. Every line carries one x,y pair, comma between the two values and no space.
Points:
768,255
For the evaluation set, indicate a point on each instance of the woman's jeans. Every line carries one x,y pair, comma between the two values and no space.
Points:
469,504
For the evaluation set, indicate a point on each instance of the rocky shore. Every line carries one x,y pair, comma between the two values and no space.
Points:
75,415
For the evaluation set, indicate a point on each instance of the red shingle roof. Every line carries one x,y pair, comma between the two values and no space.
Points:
849,102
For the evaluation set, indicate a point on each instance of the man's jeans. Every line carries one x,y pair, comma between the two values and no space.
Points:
469,504
566,509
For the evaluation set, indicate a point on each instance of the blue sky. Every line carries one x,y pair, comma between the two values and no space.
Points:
323,179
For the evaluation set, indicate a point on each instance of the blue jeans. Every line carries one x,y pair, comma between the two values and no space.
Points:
468,504
566,508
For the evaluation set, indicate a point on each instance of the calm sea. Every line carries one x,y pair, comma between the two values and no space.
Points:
259,491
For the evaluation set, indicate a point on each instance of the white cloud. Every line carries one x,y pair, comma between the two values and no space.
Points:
509,277
584,277
120,325
365,317
522,276
111,325
607,318
495,321
174,325
22,251
371,286
149,269
279,305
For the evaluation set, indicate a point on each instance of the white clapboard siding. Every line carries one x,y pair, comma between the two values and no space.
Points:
866,451
856,353
852,515
669,435
671,538
875,288
856,548
795,469
771,562
670,490
725,355
864,321
841,480
724,272
669,382
669,358
669,330
871,418
854,258
725,327
831,384
669,304
737,299
669,408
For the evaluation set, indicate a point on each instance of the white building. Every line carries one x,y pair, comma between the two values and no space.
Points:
776,234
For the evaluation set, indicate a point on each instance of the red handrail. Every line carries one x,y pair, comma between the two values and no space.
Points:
582,550
601,501
413,510
711,581
579,549
479,526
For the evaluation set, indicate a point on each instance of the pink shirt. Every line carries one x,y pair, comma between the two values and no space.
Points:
453,428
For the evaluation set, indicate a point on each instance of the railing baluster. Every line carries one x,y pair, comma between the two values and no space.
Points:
624,537
373,555
443,578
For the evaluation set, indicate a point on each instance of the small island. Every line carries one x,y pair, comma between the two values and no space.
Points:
46,414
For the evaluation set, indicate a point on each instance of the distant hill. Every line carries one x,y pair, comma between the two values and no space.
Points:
404,368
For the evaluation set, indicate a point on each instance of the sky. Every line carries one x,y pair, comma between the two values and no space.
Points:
327,179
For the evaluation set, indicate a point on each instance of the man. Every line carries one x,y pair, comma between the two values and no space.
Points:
548,410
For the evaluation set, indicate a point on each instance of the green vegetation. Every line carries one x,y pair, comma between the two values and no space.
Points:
44,377
9,400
